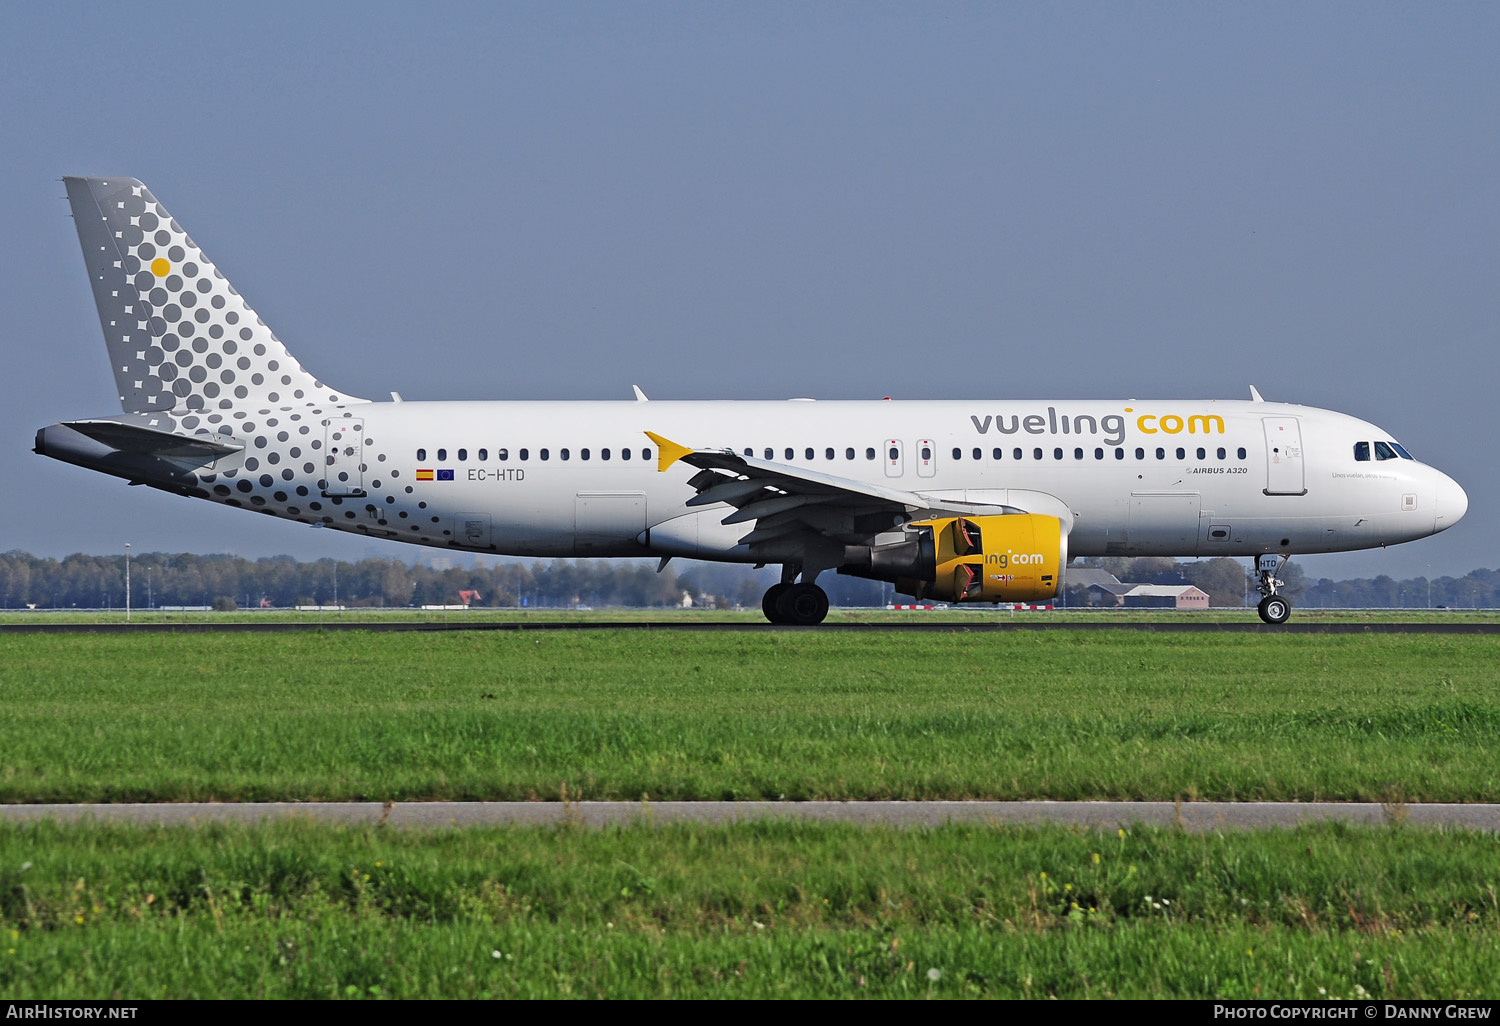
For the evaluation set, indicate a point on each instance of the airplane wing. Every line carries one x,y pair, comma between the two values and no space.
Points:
784,500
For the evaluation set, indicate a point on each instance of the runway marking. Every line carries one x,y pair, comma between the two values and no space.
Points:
1196,817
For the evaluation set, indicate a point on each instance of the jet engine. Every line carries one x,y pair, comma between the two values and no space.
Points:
1013,558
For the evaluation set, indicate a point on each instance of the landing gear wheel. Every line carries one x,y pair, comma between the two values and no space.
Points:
769,604
1274,609
803,605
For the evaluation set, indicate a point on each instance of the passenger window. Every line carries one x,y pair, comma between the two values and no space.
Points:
604,454
1036,453
1240,452
828,453
809,452
1078,454
1181,453
927,452
544,454
624,454
770,453
958,453
442,455
484,454
894,454
1161,453
421,455
502,455
748,452
999,453
1119,454
1057,453
790,452
849,453
870,453
1385,452
525,455
1222,453
463,454
1098,454
645,454
978,453
1140,453
1202,454
583,454
1018,453
563,454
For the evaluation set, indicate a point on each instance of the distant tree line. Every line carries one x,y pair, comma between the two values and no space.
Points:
226,582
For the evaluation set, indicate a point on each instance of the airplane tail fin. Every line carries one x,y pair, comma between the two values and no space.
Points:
179,336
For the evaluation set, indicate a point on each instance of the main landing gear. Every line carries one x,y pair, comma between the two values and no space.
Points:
1273,608
798,605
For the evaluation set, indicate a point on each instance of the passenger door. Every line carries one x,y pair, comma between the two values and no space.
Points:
344,457
1284,470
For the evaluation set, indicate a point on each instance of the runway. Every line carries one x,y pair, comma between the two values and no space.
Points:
1164,626
1196,817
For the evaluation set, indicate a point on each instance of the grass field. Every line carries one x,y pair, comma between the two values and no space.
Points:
763,715
298,910
770,909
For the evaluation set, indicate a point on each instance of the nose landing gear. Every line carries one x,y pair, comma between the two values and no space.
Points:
1273,608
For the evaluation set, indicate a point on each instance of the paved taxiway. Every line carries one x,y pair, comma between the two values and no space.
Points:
1192,816
1164,626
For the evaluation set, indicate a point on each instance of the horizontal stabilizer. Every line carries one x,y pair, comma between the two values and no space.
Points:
143,441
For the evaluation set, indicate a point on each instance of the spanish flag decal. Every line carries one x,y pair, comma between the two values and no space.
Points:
424,475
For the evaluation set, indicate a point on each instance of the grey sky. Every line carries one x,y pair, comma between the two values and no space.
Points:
761,200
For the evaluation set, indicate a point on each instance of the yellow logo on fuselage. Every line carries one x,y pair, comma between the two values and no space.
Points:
1110,427
1172,424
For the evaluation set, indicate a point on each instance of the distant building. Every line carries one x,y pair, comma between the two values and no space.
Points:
1165,596
1100,587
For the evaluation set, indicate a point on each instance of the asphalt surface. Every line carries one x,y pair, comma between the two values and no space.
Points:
1164,626
1192,816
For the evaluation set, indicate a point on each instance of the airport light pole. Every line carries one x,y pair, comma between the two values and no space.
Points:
127,582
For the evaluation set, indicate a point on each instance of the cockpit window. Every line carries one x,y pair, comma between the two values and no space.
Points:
1404,454
1383,451
1362,452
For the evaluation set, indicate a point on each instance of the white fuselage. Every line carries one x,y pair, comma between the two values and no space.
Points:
554,478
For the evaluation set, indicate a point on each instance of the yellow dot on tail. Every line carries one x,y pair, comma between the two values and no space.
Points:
160,267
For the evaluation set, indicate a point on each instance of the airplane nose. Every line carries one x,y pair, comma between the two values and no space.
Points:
1452,503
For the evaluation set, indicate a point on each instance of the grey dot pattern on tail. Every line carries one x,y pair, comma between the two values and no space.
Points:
191,356
180,336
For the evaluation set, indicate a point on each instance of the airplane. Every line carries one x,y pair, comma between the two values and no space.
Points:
959,501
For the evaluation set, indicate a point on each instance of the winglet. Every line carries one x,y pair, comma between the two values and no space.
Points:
640,396
668,452
1255,395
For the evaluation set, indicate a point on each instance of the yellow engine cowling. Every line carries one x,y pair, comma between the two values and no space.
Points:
1016,558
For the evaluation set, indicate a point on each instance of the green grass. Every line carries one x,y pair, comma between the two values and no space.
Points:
769,909
748,715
